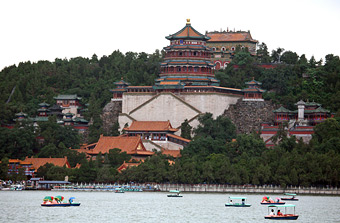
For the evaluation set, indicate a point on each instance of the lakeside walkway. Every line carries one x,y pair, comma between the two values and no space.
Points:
266,189
205,188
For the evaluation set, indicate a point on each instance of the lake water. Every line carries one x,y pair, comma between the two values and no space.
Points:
24,206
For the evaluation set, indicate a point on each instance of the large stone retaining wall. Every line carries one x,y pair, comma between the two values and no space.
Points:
248,115
173,107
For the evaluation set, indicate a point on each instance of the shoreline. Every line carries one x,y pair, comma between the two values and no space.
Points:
204,188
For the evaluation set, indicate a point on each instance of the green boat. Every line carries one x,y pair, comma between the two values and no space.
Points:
240,202
292,198
175,193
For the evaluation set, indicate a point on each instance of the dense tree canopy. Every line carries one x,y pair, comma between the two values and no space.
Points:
215,155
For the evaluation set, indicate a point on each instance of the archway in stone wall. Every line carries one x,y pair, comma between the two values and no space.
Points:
218,65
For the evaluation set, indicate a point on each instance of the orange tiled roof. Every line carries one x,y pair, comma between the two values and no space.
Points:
169,83
14,161
188,32
87,146
130,145
38,162
125,165
230,37
150,126
171,162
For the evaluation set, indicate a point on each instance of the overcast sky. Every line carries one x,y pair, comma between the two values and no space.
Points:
46,29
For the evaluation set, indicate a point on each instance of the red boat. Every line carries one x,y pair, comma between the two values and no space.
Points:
281,216
269,201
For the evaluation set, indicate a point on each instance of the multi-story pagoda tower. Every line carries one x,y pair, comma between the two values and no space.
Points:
187,61
185,89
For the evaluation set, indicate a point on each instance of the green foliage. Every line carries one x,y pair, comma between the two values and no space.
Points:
186,129
117,158
212,156
220,128
17,143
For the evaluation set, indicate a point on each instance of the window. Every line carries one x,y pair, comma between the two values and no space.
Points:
223,48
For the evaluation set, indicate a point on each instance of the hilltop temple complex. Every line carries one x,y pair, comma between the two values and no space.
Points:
186,86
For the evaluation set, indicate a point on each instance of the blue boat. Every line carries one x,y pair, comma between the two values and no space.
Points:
281,216
241,202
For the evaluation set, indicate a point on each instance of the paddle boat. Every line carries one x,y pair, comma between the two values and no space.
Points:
269,201
292,198
57,201
119,190
277,215
175,193
231,202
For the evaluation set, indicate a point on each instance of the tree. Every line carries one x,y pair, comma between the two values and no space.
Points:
263,54
327,136
276,55
242,57
289,57
186,129
221,128
115,129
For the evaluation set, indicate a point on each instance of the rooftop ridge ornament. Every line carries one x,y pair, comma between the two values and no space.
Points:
188,21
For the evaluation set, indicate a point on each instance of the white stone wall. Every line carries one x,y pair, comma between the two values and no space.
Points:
214,103
164,144
133,100
71,109
175,108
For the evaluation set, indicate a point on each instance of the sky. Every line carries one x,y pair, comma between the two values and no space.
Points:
48,29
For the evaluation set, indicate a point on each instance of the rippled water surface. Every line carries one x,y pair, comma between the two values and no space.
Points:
24,206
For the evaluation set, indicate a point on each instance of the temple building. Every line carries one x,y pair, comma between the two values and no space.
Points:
69,103
253,92
158,135
187,61
299,123
131,145
223,45
30,165
185,89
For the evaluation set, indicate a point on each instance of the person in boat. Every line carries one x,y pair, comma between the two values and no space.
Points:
272,212
279,213
231,202
243,202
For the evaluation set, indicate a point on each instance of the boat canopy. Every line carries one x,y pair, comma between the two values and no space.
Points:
174,191
281,205
288,194
237,198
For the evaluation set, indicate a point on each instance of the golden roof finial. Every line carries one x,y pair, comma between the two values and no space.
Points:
188,21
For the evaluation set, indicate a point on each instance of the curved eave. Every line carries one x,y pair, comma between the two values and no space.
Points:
182,47
205,38
187,30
